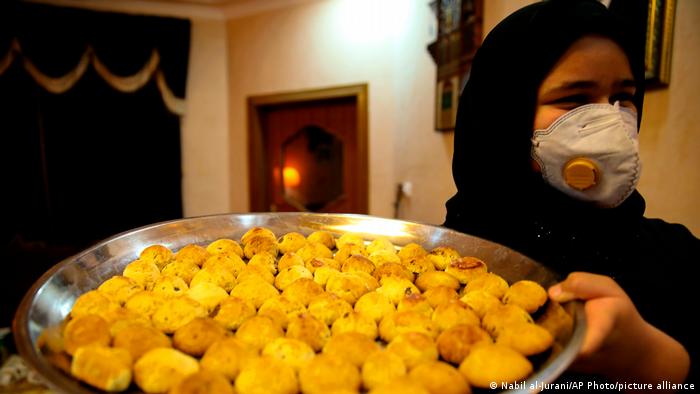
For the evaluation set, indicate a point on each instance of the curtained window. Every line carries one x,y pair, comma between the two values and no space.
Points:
90,107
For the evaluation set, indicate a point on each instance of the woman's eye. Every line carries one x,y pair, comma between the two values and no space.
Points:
571,101
623,98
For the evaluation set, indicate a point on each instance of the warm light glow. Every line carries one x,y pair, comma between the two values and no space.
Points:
291,177
381,227
366,21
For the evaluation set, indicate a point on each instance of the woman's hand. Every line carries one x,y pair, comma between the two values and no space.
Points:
619,343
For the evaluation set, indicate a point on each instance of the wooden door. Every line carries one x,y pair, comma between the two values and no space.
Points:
308,151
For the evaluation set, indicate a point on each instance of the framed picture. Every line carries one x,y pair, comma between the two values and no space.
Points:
659,42
446,102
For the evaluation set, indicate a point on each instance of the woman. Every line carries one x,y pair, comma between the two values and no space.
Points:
546,162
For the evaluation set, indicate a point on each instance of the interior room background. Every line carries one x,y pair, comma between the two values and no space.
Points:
245,48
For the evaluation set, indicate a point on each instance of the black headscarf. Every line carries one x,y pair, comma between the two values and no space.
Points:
501,198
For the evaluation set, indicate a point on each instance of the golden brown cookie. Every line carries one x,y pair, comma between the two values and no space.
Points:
382,367
269,372
258,331
455,343
413,348
160,255
466,268
143,272
195,337
106,368
227,356
375,305
526,294
355,322
86,330
225,246
323,237
160,369
526,338
430,279
203,382
328,308
326,373
232,312
439,378
489,363
443,256
138,339
310,330
292,352
351,346
193,254
291,242
453,313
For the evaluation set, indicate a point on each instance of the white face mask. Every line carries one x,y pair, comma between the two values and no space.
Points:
591,153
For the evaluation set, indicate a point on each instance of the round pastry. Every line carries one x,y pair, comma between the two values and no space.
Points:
439,378
106,368
254,290
229,261
402,322
440,295
417,303
291,242
225,246
326,373
310,330
356,322
411,251
280,309
455,343
442,256
381,257
323,274
351,346
216,275
429,279
184,269
526,294
84,331
203,382
138,339
227,357
313,250
490,283
119,288
380,244
413,348
375,305
258,331
157,254
163,368
347,286
504,315
92,303
291,274
303,290
292,352
403,385
120,318
145,303
269,373
371,284
328,307
258,245
143,272
466,268
258,232
169,286
290,259
382,367
526,338
418,265
480,302
453,313
193,254
357,263
349,239
264,260
256,271
232,312
208,295
323,237
489,363
392,269
348,250
176,312
319,262
195,337
397,288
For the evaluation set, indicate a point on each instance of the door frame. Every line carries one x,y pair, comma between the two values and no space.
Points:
256,146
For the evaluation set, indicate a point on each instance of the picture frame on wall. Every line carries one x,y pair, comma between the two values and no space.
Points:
659,43
446,103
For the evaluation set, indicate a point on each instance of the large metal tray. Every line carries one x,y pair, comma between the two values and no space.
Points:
51,298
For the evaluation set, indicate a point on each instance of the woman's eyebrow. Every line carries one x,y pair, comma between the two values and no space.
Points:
573,85
626,83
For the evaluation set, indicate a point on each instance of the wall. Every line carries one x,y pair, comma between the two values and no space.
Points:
205,126
670,132
343,42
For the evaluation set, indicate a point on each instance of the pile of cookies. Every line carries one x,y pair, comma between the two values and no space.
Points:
311,314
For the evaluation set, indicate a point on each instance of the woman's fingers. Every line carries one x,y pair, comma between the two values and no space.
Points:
585,286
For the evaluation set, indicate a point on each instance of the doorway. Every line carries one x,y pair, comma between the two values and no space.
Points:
308,151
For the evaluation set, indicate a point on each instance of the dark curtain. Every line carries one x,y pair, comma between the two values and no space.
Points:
92,162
